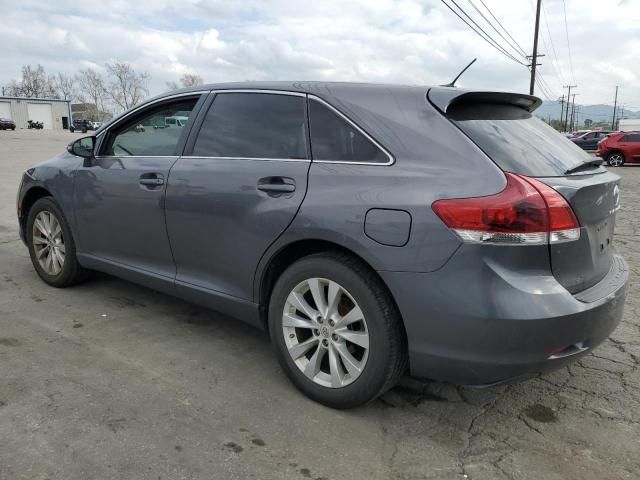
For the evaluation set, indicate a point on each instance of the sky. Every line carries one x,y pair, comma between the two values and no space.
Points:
404,41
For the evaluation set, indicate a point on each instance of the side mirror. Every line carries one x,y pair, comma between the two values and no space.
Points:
83,147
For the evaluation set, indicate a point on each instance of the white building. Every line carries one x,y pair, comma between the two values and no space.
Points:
54,114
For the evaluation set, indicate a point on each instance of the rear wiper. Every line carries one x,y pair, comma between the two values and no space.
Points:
596,162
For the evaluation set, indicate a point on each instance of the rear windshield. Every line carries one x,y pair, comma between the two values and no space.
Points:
516,140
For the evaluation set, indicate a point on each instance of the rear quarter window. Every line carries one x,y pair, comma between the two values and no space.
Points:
516,140
335,139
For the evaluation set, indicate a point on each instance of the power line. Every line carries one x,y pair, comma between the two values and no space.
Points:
553,47
505,30
566,29
486,38
516,47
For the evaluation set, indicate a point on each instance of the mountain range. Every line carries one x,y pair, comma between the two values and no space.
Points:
597,113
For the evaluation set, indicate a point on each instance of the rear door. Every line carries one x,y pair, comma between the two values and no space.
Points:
634,147
238,187
519,142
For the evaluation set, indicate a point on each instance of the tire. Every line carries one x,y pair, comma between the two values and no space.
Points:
381,364
84,130
615,159
71,129
70,272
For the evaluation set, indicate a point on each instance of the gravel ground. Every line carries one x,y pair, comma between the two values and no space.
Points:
109,380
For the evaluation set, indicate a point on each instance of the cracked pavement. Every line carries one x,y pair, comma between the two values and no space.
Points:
109,380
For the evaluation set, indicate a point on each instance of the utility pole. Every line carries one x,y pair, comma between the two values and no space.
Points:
564,128
573,111
534,56
561,109
615,104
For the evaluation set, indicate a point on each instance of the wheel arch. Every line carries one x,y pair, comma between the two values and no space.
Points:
294,251
30,197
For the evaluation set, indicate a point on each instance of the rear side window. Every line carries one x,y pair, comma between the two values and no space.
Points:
516,140
253,125
335,139
634,137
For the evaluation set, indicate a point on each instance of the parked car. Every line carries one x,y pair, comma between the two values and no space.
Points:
589,140
578,133
81,125
175,121
369,229
620,148
7,124
96,125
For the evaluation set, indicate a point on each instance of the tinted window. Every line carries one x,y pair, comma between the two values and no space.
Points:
148,133
253,125
635,137
333,138
516,140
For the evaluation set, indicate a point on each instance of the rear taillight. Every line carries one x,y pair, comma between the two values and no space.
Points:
526,212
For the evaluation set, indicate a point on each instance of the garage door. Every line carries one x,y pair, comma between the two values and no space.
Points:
5,110
41,112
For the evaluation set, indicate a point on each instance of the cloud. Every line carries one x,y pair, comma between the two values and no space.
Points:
404,41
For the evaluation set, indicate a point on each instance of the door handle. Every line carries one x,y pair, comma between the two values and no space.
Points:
277,185
151,179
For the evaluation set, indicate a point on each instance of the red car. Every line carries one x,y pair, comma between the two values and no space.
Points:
6,124
619,148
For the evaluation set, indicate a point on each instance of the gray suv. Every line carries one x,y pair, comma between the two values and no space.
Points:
370,229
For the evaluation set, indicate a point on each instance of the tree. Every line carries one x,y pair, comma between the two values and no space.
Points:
190,80
64,86
91,86
186,80
127,87
34,83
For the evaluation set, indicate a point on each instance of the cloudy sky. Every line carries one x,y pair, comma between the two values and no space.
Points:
401,41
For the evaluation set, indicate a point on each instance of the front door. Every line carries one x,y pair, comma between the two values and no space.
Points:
237,190
119,195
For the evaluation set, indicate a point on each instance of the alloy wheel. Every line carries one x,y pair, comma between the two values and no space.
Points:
48,243
616,160
325,332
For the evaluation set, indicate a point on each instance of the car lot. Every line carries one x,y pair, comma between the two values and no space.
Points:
110,380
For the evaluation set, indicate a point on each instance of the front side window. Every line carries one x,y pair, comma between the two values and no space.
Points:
335,139
146,134
254,125
634,138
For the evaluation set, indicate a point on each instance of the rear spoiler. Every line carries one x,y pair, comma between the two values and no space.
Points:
444,98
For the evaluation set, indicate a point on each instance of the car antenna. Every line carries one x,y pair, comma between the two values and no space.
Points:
453,83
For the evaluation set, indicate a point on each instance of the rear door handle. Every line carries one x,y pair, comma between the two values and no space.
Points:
277,185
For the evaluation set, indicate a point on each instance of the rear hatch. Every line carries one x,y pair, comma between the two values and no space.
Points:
503,126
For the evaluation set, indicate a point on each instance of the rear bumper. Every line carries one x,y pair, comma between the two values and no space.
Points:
474,322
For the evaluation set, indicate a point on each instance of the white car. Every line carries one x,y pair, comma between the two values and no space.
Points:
96,125
175,121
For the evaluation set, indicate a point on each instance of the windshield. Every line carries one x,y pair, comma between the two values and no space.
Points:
516,140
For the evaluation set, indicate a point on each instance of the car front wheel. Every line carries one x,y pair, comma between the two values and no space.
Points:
337,332
615,159
51,245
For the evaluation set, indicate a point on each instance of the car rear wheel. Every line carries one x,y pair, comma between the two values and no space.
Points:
51,245
337,332
615,159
